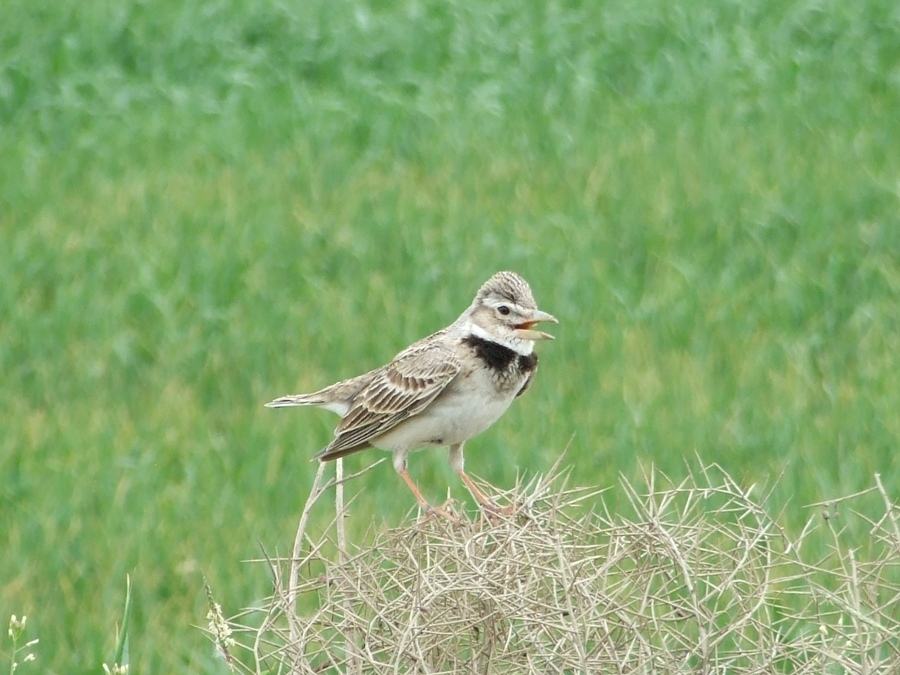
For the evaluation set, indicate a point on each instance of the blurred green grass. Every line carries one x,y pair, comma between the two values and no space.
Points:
207,205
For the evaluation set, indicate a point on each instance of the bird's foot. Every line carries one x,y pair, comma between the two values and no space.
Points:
496,513
443,511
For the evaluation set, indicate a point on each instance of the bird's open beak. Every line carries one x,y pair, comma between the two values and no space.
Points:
523,330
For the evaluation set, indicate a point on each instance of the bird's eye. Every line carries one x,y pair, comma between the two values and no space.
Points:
503,309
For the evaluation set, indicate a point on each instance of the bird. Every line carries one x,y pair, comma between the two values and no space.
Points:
441,390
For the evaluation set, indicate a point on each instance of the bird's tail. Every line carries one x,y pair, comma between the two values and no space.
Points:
320,399
296,399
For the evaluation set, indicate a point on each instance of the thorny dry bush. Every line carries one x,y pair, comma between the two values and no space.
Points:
699,579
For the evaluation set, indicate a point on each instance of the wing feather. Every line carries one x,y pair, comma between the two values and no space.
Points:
401,389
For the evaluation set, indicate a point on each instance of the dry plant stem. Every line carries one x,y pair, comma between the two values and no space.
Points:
683,581
290,597
340,526
888,511
339,511
298,540
565,569
314,494
279,602
844,498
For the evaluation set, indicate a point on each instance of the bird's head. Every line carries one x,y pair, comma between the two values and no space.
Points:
504,311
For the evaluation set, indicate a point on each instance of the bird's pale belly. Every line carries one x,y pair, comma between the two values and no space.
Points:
449,420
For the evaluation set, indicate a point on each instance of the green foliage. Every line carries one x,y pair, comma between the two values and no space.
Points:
206,205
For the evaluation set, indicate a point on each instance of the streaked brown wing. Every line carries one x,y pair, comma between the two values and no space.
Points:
401,389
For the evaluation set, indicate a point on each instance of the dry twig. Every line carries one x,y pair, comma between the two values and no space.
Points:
698,578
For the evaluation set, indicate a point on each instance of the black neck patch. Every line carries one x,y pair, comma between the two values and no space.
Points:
497,357
527,363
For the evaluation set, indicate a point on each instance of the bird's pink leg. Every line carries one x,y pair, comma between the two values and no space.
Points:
428,508
485,501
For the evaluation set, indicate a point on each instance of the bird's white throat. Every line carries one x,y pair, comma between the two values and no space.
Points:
519,346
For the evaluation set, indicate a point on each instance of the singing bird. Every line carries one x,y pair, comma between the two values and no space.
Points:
443,389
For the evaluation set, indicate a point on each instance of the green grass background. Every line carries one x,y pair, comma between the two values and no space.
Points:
205,205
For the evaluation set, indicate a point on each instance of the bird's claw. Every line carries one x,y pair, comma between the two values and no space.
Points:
443,511
496,513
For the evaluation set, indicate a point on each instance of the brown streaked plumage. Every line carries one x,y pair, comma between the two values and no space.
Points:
443,389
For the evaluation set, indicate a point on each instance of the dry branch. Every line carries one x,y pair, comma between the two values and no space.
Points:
697,578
